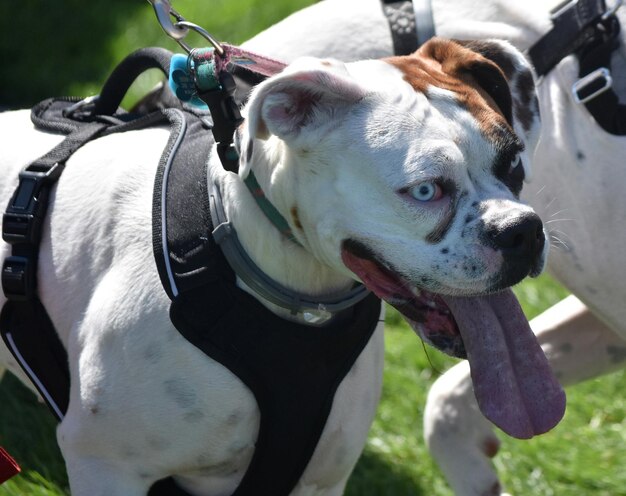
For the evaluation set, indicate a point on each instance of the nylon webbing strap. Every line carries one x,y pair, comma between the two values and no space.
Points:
424,21
605,107
22,221
574,25
401,18
25,326
411,24
126,72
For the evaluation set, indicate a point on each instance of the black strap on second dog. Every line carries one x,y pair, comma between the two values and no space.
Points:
411,24
589,30
595,58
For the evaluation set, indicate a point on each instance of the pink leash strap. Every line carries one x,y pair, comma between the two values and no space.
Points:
248,60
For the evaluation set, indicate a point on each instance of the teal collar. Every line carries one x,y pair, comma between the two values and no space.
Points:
268,209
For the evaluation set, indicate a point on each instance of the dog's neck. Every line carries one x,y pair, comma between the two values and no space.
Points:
286,262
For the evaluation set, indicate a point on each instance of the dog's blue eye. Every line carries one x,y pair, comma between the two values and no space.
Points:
427,191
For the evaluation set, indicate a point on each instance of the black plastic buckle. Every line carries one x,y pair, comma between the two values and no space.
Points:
224,110
21,222
18,278
21,228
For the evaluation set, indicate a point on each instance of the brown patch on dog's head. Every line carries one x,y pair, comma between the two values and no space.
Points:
480,85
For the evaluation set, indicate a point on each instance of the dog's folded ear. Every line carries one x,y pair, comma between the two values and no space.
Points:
308,95
501,73
518,74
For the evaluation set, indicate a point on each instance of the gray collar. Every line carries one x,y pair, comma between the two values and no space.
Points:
312,310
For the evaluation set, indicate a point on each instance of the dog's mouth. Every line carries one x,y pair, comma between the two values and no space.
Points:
513,382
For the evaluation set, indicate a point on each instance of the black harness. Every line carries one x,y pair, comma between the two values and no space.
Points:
585,28
293,370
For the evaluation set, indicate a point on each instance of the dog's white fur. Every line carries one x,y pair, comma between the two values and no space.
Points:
577,186
144,402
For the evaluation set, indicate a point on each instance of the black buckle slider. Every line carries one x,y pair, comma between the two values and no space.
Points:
592,85
18,278
224,110
21,228
22,221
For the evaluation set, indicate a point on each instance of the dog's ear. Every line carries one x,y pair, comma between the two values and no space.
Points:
517,97
307,96
500,73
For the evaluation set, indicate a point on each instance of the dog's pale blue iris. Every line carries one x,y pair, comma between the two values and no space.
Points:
426,191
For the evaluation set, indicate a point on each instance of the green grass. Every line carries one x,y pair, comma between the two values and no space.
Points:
69,48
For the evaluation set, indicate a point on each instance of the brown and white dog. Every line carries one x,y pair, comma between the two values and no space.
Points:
577,185
403,173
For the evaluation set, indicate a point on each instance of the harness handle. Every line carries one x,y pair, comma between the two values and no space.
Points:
124,75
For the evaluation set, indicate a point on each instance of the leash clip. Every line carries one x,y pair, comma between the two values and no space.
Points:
180,29
593,84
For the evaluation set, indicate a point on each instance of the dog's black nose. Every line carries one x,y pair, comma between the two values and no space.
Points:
522,238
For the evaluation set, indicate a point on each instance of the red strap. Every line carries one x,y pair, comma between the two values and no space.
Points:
8,466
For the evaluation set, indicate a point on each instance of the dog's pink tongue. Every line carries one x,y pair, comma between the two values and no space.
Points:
513,381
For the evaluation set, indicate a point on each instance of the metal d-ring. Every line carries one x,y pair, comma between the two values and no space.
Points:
202,32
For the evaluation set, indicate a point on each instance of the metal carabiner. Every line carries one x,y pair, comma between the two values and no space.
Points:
164,13
179,29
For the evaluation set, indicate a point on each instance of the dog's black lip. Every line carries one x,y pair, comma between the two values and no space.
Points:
360,250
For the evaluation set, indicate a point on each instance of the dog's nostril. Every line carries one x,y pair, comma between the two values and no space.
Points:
523,237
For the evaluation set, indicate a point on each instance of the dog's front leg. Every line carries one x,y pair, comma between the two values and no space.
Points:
91,476
578,346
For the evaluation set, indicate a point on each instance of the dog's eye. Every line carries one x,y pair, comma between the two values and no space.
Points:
515,163
427,191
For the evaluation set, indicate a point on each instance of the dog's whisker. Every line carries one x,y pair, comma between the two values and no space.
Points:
540,190
559,212
550,203
558,243
552,221
562,233
432,365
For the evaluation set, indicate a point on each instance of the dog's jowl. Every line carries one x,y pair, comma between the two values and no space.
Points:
402,174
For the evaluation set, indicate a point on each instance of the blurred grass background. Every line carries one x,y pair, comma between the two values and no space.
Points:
68,47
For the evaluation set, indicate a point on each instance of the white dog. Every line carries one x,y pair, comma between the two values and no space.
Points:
402,173
577,176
